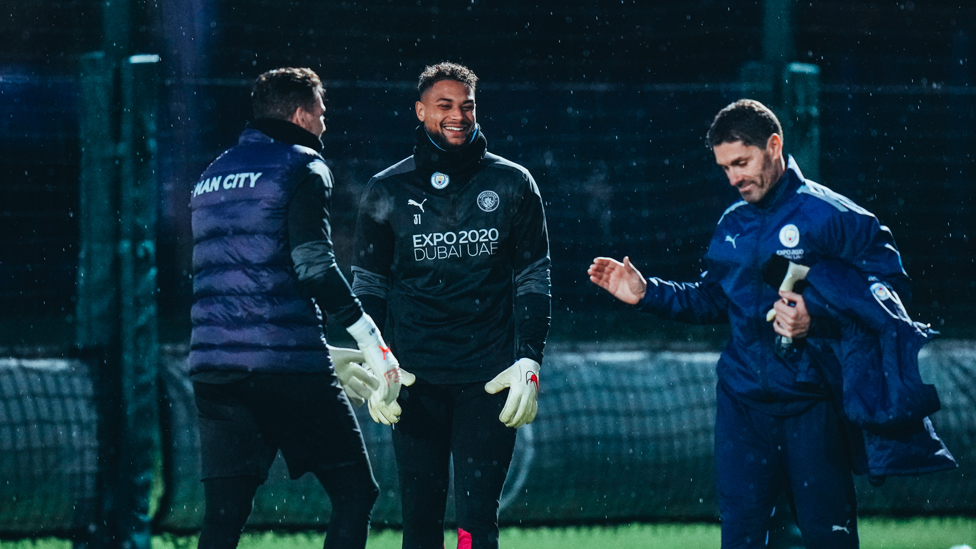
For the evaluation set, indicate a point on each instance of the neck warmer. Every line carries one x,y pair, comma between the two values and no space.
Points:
460,164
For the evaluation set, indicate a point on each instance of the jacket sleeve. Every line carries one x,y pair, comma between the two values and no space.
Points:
702,302
857,239
373,251
310,240
532,281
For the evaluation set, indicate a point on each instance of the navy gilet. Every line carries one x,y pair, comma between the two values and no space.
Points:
249,313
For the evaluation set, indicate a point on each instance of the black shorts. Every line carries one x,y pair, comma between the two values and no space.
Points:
243,424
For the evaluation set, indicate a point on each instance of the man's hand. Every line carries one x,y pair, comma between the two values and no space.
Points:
789,313
388,414
792,318
522,380
622,280
378,357
357,382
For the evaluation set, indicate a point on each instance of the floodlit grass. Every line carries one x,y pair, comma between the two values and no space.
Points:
876,533
920,533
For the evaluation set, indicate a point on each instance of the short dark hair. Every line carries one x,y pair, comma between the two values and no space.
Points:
277,93
446,71
746,120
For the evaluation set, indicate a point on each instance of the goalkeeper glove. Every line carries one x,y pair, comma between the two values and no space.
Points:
388,414
522,380
378,357
357,382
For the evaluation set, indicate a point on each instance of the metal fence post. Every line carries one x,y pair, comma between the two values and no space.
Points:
800,113
139,192
117,312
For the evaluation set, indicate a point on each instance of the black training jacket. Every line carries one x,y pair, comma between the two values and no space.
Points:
454,243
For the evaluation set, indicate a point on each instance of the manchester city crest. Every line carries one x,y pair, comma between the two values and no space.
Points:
789,236
439,180
488,201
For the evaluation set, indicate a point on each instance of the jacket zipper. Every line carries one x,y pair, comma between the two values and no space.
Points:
758,288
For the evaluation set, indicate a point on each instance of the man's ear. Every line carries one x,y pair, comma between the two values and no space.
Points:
774,145
297,117
421,111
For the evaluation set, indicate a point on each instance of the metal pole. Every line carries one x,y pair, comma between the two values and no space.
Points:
138,444
801,116
117,323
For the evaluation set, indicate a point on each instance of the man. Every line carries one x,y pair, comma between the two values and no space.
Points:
452,243
779,428
263,267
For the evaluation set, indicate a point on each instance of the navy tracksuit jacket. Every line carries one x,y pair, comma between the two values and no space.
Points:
809,224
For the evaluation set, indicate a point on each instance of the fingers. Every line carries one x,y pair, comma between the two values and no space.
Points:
342,354
601,267
526,413
520,417
790,296
512,404
520,409
406,378
357,392
387,414
498,383
365,377
377,417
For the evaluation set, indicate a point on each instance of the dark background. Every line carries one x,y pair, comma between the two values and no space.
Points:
606,103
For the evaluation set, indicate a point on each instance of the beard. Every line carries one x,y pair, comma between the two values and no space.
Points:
441,141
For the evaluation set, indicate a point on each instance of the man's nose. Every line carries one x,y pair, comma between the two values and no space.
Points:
734,177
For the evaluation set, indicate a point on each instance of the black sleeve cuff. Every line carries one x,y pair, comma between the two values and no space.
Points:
333,294
532,320
375,307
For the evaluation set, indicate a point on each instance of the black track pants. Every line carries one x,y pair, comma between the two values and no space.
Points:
439,421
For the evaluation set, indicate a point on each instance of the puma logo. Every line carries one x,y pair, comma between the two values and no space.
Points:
843,528
731,239
412,202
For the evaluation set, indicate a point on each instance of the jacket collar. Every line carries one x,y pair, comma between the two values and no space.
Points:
286,132
457,163
788,183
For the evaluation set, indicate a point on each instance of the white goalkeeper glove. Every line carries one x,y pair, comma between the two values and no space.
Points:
522,380
388,414
357,382
378,357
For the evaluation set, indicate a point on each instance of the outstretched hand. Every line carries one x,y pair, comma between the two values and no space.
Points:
622,280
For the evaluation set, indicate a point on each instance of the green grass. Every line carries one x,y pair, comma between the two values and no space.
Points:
876,533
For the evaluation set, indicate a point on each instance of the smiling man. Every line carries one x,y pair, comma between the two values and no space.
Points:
452,243
779,428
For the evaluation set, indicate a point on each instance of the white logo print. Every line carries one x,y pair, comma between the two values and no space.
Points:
843,528
731,239
789,235
488,201
412,202
439,180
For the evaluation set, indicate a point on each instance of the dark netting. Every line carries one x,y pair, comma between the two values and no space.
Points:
622,435
48,446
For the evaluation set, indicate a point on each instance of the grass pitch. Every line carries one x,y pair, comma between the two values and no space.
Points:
875,533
